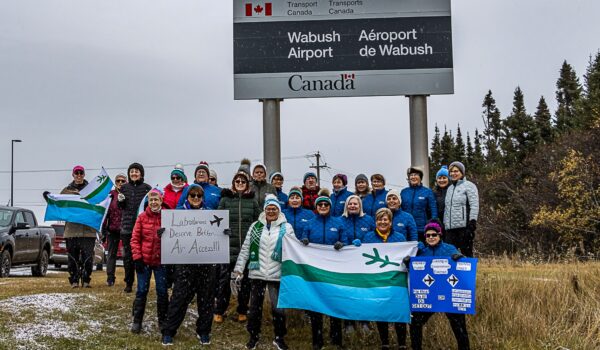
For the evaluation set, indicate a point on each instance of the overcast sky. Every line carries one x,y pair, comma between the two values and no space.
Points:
106,83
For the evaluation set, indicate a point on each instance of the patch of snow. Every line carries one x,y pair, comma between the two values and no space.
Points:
47,302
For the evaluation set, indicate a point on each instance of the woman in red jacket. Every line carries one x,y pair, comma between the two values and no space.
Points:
145,247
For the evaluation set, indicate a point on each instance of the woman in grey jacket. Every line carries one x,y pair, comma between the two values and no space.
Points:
261,252
462,209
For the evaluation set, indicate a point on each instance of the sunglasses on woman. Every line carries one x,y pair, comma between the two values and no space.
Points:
241,182
120,181
175,177
195,195
430,235
78,172
323,204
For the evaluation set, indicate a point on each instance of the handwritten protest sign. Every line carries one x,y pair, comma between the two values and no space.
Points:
439,284
194,237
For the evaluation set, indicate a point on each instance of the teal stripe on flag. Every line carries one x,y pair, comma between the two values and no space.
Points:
100,193
358,280
74,204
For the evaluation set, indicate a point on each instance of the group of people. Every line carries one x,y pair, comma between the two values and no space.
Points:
260,214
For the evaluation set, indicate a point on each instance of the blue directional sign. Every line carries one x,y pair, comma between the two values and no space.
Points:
439,284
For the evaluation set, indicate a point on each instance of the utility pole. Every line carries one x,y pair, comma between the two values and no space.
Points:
318,166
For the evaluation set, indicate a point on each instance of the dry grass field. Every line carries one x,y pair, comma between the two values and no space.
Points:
519,306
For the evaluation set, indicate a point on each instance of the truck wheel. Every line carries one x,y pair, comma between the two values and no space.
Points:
42,265
5,264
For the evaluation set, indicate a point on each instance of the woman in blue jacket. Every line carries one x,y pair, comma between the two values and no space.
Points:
385,233
356,222
434,246
339,195
376,199
295,215
418,200
403,222
328,230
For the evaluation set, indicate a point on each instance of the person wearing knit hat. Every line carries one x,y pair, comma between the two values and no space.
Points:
310,191
442,180
243,210
261,255
295,214
384,232
402,221
213,179
340,194
129,200
260,186
361,186
461,210
146,248
327,230
212,194
434,246
245,166
418,200
276,179
192,280
174,189
376,199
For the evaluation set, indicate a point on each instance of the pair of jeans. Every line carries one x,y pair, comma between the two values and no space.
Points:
80,251
458,323
224,291
143,286
257,297
113,239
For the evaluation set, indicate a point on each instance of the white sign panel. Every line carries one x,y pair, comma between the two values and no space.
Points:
195,237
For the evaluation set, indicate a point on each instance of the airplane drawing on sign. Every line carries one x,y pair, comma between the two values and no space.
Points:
452,280
428,280
217,221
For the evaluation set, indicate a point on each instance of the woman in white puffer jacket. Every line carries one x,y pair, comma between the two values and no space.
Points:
262,253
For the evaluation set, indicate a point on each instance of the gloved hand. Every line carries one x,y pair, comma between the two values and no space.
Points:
121,197
472,225
227,232
406,262
160,231
357,242
45,194
457,256
139,266
338,245
235,283
305,241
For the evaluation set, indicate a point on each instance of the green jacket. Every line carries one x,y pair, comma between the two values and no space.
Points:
243,211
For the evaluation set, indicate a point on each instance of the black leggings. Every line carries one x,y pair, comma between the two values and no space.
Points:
382,328
457,322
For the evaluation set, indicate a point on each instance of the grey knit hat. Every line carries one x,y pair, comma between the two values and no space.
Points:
459,165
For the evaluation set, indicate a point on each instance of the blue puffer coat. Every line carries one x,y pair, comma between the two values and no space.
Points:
298,218
325,230
404,224
373,237
338,201
374,201
419,201
440,249
355,227
282,198
212,196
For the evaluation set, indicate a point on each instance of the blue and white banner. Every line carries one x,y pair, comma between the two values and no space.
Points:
71,208
367,283
440,284
98,189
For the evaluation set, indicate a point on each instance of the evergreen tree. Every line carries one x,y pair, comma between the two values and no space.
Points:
568,95
435,159
542,119
492,131
447,145
459,146
520,131
591,103
470,154
478,164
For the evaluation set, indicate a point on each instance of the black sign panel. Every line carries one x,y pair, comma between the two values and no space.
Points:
343,45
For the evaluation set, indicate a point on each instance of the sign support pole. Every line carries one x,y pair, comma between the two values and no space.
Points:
271,134
419,142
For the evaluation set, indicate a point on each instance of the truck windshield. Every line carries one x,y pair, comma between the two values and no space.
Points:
5,216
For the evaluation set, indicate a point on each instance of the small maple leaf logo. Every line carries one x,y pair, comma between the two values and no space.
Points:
258,9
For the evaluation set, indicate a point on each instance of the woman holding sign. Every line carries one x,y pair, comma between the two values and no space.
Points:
384,233
190,280
261,252
434,246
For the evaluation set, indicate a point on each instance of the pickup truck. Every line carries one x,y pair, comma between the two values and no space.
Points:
23,242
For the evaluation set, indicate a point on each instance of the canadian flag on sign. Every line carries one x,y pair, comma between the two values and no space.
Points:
258,10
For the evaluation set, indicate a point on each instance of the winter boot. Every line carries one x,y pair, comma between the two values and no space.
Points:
139,307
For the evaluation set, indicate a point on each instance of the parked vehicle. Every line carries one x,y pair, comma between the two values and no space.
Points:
23,242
